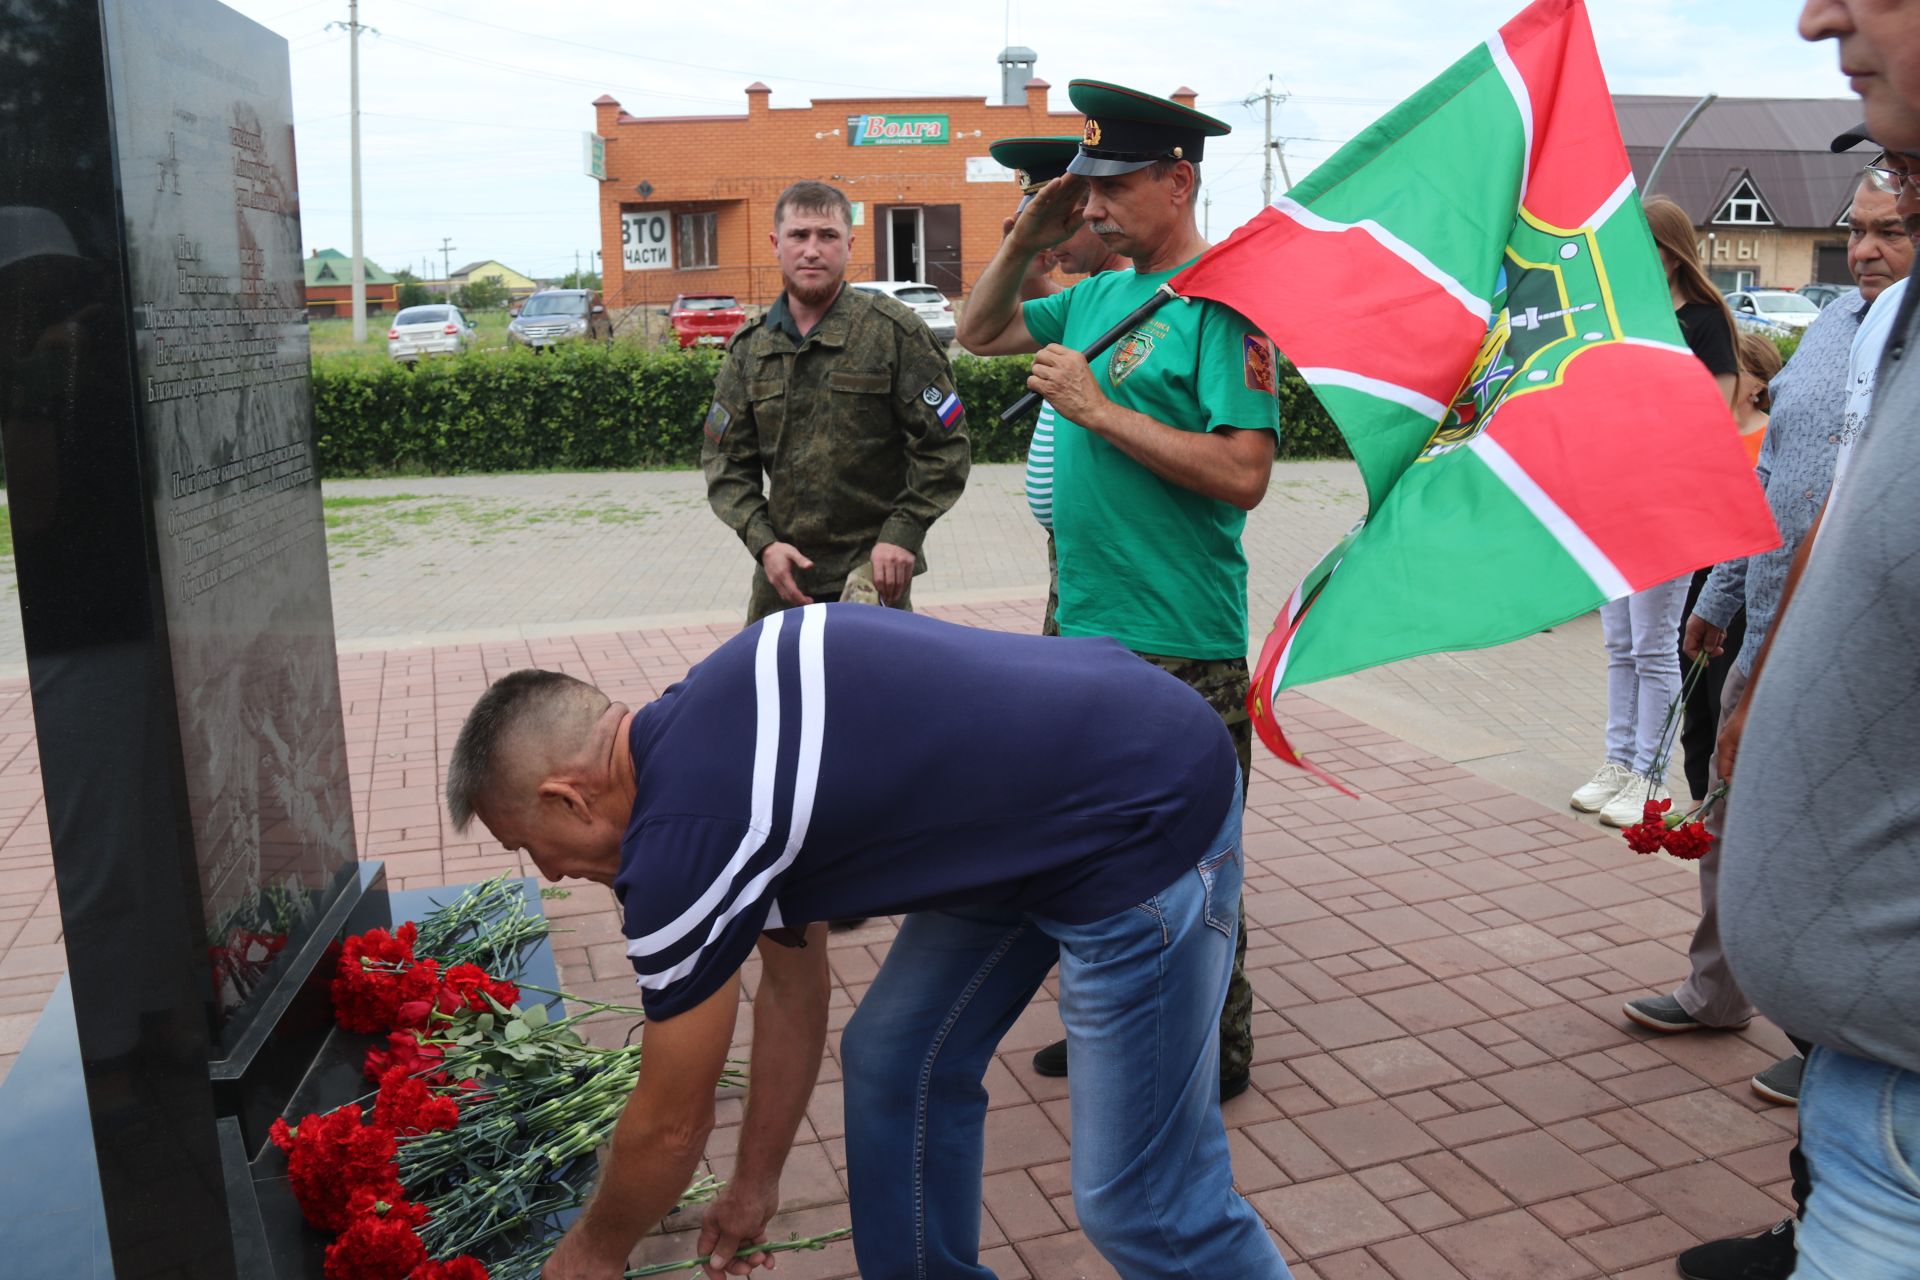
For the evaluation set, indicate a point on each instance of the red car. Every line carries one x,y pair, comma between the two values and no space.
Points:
705,319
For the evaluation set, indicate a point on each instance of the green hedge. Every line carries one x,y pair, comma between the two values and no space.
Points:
586,407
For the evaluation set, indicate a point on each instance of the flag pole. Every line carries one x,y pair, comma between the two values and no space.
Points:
1161,297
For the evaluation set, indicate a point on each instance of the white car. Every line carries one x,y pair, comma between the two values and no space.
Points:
437,330
1773,309
923,300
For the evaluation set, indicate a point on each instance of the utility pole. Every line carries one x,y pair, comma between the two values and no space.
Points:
359,257
1206,215
446,264
1269,97
1280,154
576,269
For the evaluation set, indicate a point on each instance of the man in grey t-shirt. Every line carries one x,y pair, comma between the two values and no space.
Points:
1821,911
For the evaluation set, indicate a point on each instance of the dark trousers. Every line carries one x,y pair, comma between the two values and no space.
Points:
1701,723
1796,1162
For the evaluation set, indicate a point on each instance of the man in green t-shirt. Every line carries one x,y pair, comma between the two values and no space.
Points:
1163,444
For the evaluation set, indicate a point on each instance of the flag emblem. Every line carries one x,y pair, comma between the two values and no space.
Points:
950,409
718,419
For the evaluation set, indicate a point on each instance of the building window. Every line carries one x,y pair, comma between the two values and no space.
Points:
1744,207
698,241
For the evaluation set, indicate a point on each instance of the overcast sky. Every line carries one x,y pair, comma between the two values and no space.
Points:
472,110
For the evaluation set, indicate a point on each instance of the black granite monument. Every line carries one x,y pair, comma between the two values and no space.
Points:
157,421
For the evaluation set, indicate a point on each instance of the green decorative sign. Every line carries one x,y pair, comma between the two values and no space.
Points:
896,131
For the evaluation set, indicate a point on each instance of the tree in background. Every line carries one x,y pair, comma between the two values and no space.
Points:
580,280
485,294
412,292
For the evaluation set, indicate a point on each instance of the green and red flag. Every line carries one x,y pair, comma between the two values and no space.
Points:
1471,289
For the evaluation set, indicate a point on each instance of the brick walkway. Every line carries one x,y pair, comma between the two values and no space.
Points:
1444,1087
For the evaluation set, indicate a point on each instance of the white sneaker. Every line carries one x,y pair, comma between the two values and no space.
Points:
1629,806
1602,787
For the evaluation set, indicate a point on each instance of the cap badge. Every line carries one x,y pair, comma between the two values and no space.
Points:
1021,179
1090,137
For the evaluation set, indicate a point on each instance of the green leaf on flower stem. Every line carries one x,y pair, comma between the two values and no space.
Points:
484,1022
468,1040
517,1030
534,1016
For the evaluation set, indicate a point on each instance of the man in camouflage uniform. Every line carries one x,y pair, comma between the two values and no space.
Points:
844,403
1162,446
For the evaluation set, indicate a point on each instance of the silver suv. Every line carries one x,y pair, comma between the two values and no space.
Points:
553,316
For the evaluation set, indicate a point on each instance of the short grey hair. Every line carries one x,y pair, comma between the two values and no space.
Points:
530,701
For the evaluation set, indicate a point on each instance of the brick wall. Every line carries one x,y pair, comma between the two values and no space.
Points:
735,166
337,300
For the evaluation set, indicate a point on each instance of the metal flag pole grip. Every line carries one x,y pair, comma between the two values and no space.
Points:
1161,297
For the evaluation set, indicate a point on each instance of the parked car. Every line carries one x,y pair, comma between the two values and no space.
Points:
1772,309
923,300
705,319
553,316
1822,295
437,330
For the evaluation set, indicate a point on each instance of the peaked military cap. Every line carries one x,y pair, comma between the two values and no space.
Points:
1127,130
1035,161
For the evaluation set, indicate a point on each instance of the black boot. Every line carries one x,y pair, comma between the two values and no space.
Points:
1052,1060
1767,1257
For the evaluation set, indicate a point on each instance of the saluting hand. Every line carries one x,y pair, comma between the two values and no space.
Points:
1062,376
1053,215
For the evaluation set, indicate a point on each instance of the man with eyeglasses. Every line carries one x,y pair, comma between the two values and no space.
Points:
1814,397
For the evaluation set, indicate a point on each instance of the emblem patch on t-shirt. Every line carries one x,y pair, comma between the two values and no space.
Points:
1129,354
718,420
1260,364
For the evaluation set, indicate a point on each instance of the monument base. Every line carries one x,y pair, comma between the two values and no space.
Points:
52,1213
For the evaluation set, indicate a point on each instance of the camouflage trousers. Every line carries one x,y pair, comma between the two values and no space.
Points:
1224,683
857,587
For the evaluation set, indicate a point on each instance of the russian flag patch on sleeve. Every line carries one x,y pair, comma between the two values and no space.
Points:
949,410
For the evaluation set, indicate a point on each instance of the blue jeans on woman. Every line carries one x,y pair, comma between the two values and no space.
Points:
1860,1129
1140,994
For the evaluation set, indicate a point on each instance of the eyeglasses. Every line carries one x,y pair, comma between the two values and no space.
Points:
1891,180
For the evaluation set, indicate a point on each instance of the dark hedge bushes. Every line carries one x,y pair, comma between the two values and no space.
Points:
585,407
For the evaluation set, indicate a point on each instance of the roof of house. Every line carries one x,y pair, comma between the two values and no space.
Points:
1780,143
332,267
462,272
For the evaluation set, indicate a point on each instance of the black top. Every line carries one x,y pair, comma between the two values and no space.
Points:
1709,335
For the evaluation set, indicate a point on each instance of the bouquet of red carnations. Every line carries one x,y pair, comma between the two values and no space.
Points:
487,1114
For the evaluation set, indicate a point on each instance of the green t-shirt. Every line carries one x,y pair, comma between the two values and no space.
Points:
1157,567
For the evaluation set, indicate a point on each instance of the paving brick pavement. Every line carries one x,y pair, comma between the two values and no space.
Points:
1443,1084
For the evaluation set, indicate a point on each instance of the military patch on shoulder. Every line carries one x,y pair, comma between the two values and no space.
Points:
945,403
1259,358
718,420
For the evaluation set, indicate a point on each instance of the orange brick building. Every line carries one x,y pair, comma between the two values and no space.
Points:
687,202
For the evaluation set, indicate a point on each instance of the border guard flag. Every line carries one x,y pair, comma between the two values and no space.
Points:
1470,288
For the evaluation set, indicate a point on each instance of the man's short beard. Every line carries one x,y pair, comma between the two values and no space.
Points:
813,296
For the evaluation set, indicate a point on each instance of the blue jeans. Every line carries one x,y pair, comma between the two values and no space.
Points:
1860,1128
1140,993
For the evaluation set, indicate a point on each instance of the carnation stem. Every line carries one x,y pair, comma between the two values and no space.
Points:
783,1246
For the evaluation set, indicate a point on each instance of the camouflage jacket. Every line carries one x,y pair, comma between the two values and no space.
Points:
856,428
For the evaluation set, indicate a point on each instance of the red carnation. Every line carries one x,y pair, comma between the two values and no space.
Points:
460,1268
1646,837
1652,809
407,1105
471,986
405,1052
330,1157
375,1248
368,1203
1690,842
377,974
